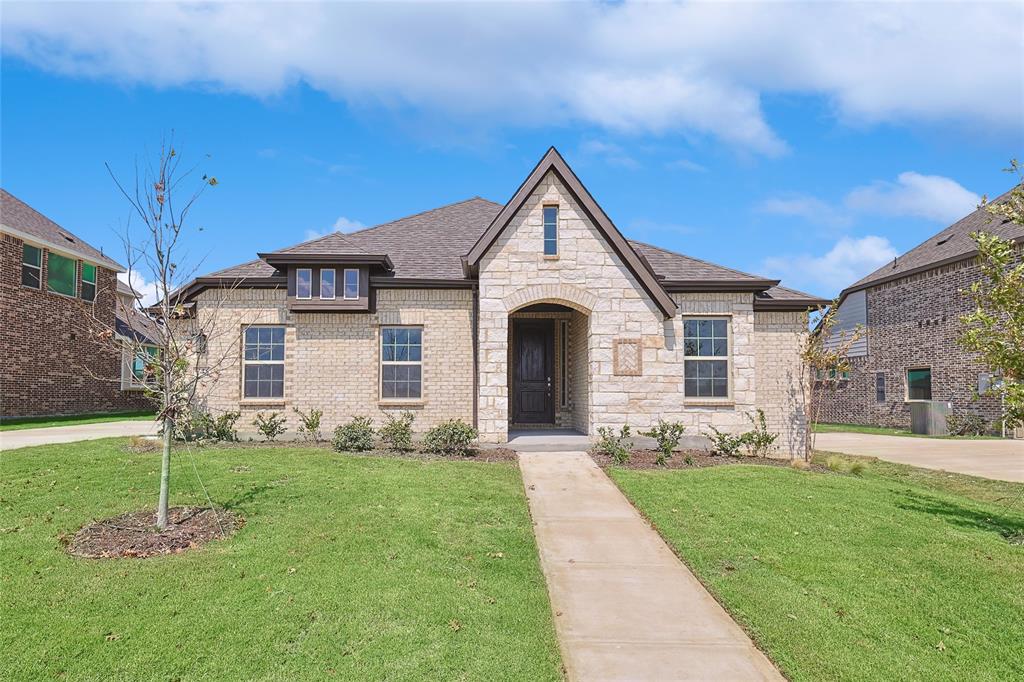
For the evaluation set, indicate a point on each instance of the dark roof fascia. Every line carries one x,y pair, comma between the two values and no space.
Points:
789,304
553,161
200,284
279,259
752,285
420,283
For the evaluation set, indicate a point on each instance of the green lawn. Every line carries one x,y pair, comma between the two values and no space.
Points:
898,574
885,431
19,423
347,568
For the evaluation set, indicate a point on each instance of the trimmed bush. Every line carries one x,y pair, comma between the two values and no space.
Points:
271,425
668,435
760,441
309,424
613,445
200,425
356,436
726,443
966,424
396,434
453,437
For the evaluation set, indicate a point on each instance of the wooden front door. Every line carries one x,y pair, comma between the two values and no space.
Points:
533,371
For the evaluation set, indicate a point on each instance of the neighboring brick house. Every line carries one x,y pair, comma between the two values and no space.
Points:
536,313
57,294
910,313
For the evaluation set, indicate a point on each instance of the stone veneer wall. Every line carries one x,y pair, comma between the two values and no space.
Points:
332,359
913,322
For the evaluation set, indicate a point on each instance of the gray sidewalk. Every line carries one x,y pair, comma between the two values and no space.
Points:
625,607
9,440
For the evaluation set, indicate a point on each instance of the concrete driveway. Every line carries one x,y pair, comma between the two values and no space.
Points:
10,440
998,459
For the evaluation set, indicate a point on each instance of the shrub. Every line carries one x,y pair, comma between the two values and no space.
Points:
356,436
836,464
453,437
200,425
668,435
801,464
613,445
760,441
966,424
271,425
224,426
396,433
309,424
726,443
689,460
857,467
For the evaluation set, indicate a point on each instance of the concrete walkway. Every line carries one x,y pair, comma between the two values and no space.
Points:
625,607
21,438
999,459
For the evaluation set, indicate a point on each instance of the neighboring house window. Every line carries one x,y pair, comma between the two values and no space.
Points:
401,362
564,354
706,358
140,377
831,374
88,282
31,266
550,230
304,283
61,274
880,387
351,284
263,362
327,283
919,384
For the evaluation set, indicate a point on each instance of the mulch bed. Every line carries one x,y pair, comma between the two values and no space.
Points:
645,459
135,535
480,455
488,454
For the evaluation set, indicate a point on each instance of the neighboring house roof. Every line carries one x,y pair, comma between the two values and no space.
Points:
948,246
125,290
25,222
132,323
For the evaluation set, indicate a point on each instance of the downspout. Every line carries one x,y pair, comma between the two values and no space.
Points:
474,315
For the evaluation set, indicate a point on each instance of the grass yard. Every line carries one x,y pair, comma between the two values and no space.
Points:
19,423
886,431
347,567
900,573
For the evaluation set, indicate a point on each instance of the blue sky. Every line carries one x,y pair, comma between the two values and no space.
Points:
723,132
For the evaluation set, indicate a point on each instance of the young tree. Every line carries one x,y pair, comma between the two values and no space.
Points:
824,361
994,329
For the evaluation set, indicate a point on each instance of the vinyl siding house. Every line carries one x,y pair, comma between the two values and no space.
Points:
909,311
533,314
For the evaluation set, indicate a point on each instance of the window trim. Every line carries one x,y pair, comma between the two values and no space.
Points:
334,284
38,268
906,385
310,271
344,284
544,234
74,280
729,398
381,362
82,281
283,362
129,380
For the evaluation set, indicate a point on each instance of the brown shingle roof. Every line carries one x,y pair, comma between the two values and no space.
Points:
334,244
951,244
17,215
133,324
672,266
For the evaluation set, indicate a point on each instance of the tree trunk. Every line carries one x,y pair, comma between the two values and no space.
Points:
165,476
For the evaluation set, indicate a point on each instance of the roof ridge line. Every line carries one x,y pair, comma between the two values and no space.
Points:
424,212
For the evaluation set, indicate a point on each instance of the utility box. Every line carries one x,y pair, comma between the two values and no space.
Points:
928,417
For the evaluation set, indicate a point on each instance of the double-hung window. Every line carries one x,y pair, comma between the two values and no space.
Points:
304,283
351,292
401,362
706,358
263,362
61,274
88,282
31,266
550,230
142,366
919,384
327,283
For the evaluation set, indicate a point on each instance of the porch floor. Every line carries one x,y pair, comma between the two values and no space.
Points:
547,440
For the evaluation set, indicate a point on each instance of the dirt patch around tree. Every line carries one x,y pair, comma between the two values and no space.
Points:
694,459
135,535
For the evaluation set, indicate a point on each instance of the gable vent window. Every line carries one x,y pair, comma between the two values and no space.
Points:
88,282
304,283
550,230
31,266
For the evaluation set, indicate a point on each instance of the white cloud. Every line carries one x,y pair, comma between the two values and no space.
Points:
342,224
686,165
846,262
812,210
932,197
697,68
148,292
612,154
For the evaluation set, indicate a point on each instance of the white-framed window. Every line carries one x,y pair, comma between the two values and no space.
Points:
706,358
401,363
550,230
304,283
351,292
263,362
919,383
327,283
137,370
31,266
88,288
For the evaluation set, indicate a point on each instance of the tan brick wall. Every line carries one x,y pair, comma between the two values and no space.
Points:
778,337
332,359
